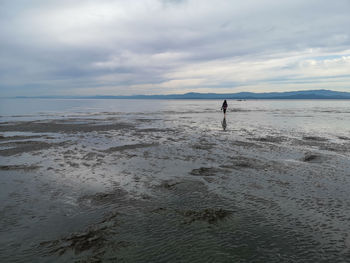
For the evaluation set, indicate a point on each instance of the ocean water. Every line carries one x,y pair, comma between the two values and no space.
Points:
320,116
163,181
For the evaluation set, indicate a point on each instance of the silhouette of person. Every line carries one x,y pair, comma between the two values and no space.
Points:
224,107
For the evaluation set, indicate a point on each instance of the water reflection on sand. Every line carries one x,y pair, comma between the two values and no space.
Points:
93,181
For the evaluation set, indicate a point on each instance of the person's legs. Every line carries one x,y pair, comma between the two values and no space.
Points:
224,111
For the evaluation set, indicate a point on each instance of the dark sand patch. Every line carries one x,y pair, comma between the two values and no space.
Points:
324,144
92,156
146,120
124,227
315,138
255,185
344,138
168,185
28,146
159,210
152,130
333,147
262,201
102,198
244,162
269,139
65,127
280,182
17,137
208,215
310,157
18,167
129,147
93,240
207,171
73,164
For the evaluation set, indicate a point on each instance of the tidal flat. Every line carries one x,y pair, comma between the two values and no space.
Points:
168,184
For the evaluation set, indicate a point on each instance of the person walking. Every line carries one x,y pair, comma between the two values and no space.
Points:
224,107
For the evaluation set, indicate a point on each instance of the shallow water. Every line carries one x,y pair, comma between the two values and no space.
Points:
156,181
313,115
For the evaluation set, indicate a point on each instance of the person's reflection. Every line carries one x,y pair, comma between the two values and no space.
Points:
223,123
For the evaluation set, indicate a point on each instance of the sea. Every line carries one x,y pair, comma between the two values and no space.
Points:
320,116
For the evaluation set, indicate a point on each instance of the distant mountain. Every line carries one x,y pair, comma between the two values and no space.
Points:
291,95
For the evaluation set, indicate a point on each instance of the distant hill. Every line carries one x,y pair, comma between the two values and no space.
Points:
291,95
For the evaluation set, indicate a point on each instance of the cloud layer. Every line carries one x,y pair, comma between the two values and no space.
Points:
159,47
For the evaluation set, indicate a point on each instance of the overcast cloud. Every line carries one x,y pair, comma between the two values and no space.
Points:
171,46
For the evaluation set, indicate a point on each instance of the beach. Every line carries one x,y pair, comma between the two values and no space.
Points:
162,181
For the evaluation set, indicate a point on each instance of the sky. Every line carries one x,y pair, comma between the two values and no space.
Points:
105,47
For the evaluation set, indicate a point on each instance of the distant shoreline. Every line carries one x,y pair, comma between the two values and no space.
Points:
291,95
93,98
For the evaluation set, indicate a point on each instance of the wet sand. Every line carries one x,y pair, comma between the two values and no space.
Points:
166,188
